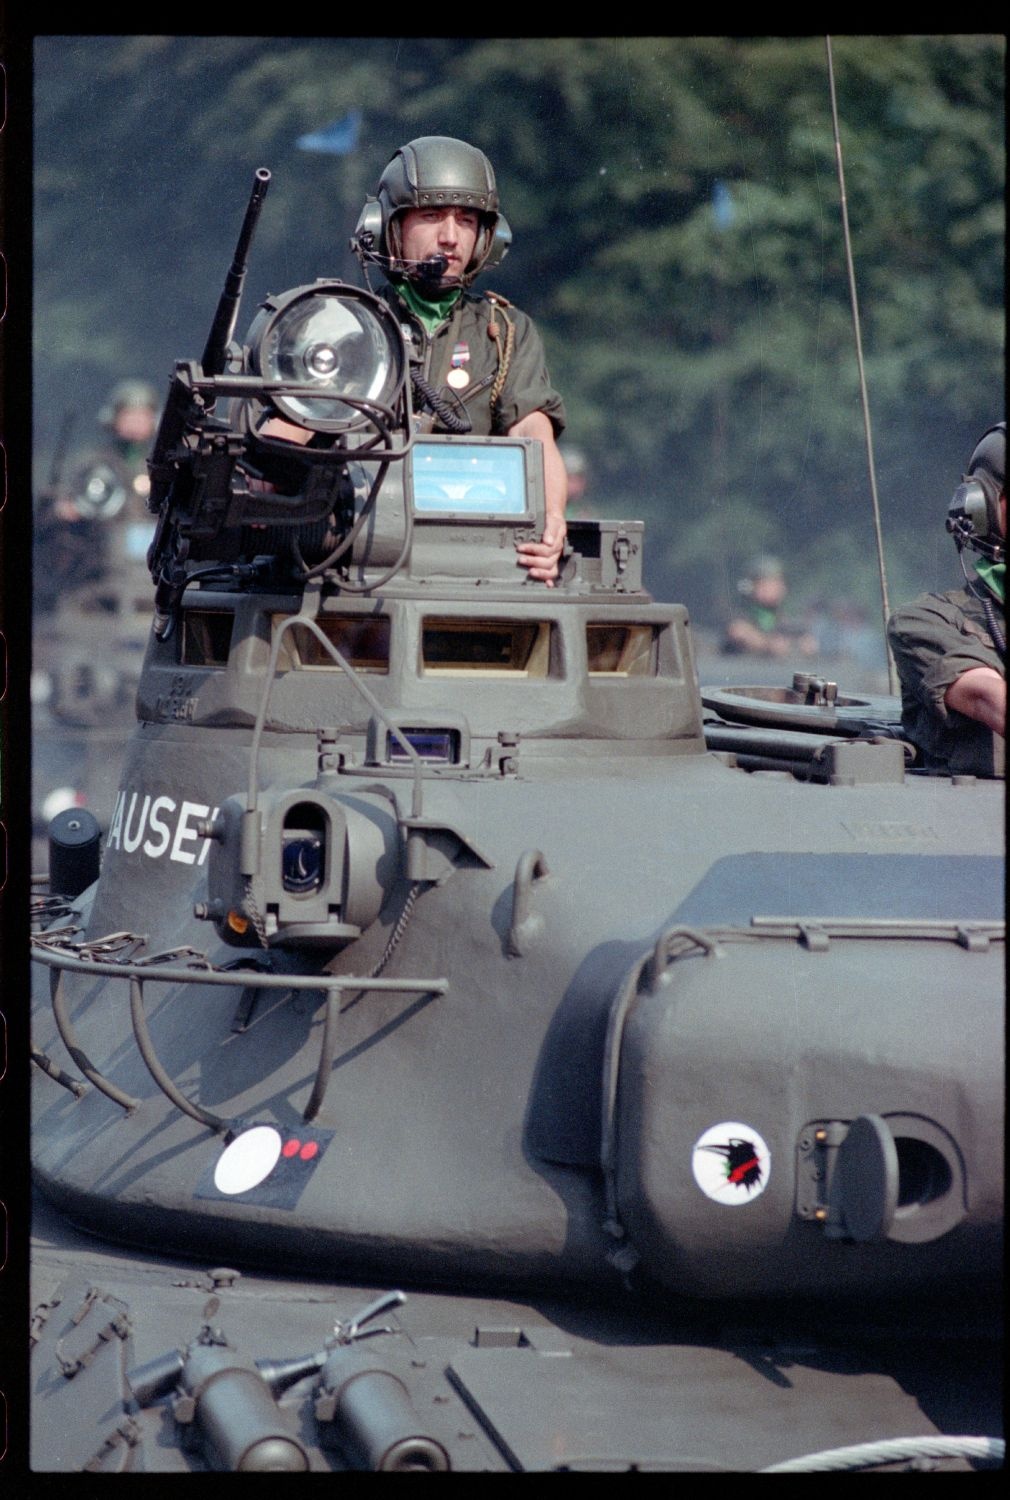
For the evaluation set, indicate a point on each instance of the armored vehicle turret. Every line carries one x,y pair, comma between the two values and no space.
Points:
471,1048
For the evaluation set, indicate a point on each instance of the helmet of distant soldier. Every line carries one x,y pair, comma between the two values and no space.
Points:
973,515
764,566
127,393
764,580
434,171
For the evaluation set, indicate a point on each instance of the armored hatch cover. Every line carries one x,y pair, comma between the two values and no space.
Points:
811,703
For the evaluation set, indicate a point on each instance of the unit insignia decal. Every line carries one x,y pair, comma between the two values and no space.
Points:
731,1164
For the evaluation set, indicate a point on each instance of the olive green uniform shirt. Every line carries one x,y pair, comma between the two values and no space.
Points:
935,640
760,616
463,341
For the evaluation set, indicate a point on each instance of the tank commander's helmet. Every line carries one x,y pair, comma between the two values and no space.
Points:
973,516
434,171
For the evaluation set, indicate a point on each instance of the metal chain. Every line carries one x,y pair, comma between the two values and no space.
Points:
399,929
252,912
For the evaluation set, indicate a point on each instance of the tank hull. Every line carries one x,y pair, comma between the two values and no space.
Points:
480,1110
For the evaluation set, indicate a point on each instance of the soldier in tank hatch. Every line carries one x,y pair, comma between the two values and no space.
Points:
433,225
759,628
950,648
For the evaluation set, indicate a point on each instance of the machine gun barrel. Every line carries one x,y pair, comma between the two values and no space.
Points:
227,308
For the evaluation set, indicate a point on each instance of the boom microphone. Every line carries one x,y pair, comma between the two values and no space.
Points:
432,268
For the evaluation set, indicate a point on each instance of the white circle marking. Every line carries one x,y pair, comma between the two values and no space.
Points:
248,1161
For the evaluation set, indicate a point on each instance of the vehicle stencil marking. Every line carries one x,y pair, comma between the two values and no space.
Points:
731,1163
163,836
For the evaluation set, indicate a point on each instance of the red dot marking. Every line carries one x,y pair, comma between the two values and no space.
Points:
309,1150
291,1148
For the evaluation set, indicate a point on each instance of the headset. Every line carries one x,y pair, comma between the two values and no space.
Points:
973,517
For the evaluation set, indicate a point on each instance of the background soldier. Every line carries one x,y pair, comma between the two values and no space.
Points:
95,523
92,591
758,628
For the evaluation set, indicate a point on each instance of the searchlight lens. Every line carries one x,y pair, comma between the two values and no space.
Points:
334,341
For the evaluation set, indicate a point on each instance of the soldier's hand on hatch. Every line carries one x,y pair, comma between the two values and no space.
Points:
541,558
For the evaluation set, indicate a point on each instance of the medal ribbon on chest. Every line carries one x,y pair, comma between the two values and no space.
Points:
458,376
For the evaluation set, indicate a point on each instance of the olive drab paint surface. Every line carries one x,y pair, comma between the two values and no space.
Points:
477,1048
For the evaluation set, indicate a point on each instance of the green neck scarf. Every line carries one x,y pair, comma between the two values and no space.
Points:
993,575
764,617
430,311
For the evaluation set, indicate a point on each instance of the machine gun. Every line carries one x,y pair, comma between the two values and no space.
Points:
328,360
227,310
184,407
170,466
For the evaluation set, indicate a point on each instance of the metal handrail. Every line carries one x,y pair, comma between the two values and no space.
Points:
154,970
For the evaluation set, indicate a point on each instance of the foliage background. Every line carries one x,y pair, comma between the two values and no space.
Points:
677,236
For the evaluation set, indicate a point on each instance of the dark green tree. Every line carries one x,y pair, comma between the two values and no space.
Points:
677,236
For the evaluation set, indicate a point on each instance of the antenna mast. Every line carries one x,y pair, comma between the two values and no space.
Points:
862,373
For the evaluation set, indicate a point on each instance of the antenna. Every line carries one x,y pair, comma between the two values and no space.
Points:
891,679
